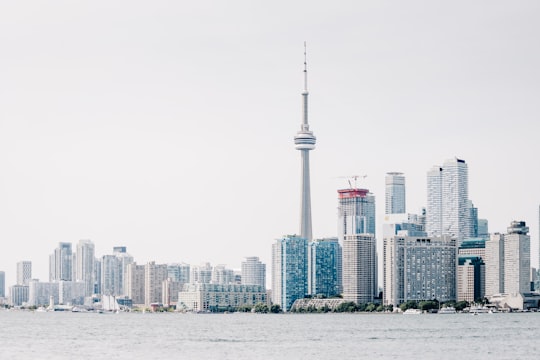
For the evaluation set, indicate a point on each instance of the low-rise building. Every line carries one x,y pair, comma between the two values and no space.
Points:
216,297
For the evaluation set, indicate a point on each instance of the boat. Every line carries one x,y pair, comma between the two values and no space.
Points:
412,312
447,310
109,304
475,310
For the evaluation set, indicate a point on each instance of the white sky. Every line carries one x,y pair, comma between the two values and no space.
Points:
168,126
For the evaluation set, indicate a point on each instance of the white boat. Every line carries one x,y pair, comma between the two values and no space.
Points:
109,304
475,310
447,310
412,312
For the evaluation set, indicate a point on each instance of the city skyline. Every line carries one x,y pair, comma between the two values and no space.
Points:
127,132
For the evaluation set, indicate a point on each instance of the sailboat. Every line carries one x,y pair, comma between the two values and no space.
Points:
110,304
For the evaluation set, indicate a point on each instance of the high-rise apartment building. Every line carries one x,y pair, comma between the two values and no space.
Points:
356,212
222,275
495,264
154,275
359,268
136,283
289,270
253,272
324,267
517,259
18,295
179,272
356,233
111,274
201,274
448,207
305,142
61,263
395,193
85,265
419,268
24,272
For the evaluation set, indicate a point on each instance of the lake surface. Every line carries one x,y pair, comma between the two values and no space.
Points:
57,335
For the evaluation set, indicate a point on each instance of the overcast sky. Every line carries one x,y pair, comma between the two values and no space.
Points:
168,126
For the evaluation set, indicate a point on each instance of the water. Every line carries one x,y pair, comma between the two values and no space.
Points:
28,335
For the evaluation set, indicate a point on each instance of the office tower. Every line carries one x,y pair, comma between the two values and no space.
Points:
305,142
24,272
154,274
495,264
473,220
356,233
201,274
61,263
483,229
324,267
395,193
136,283
419,268
448,208
253,272
179,272
85,265
289,270
517,258
471,275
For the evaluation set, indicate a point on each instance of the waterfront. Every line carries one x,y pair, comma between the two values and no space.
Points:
29,335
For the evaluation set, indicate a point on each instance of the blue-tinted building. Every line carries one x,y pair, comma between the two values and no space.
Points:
289,270
324,267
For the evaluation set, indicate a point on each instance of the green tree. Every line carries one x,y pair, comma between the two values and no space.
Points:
275,309
370,307
261,308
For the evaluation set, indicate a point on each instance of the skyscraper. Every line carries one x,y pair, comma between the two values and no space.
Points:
289,270
305,142
449,210
419,268
154,275
356,231
61,263
325,267
395,193
253,272
24,272
85,265
517,259
495,264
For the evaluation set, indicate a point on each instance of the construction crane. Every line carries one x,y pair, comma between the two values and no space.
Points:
353,177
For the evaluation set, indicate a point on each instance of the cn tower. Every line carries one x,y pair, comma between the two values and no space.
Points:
305,141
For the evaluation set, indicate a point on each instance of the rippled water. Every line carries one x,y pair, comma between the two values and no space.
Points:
28,335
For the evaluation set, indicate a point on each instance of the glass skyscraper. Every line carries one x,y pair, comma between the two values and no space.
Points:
289,270
395,193
325,267
448,207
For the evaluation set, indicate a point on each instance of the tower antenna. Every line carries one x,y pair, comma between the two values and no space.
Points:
305,66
